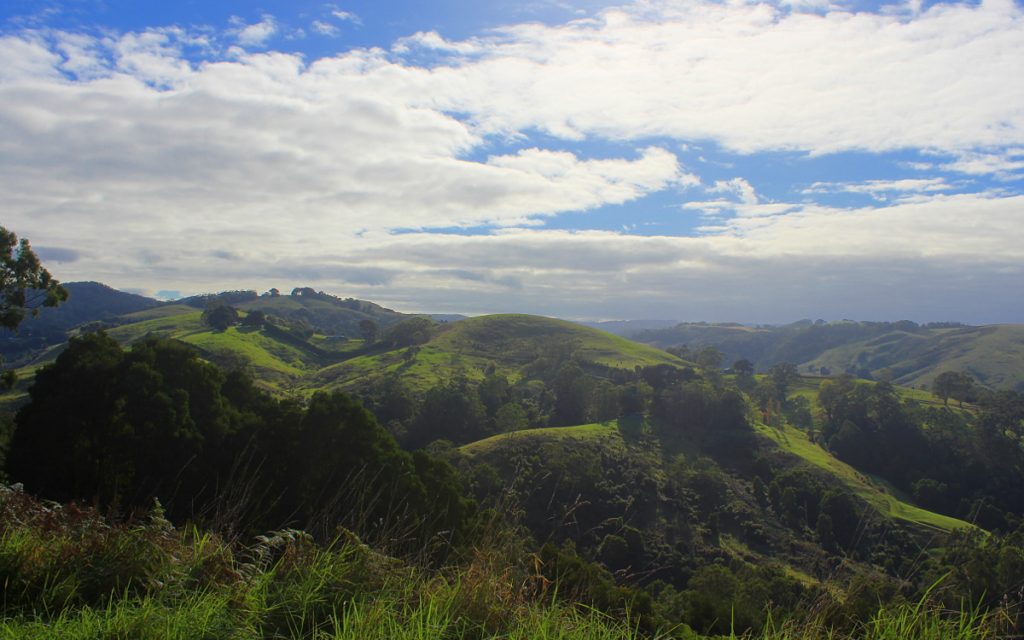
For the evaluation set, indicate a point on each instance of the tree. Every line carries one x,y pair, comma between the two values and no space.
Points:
743,368
709,358
510,417
410,332
952,384
781,376
25,285
220,316
120,427
255,318
369,329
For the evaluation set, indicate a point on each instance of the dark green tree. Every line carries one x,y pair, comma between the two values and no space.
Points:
409,332
220,316
255,318
369,330
709,358
952,384
119,427
743,368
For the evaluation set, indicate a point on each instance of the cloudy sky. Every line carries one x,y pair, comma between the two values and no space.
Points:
695,160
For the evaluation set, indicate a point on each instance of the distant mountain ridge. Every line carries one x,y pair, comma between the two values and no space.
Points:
87,302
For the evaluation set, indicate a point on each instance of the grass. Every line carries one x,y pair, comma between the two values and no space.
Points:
166,326
808,386
259,350
992,354
889,505
593,431
502,343
507,338
68,574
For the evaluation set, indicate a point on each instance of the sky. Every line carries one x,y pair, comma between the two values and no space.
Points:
688,160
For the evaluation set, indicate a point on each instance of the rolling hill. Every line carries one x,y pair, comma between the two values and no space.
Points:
506,344
913,354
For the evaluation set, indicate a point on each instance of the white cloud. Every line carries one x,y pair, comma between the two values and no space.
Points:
264,169
433,40
737,187
882,189
325,28
917,261
1003,165
754,77
257,34
27,57
347,16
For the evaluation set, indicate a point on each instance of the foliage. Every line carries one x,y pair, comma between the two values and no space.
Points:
121,428
24,284
953,384
967,471
220,316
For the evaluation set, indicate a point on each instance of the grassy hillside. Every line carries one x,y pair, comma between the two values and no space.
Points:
993,355
287,364
876,494
504,344
329,314
914,354
605,432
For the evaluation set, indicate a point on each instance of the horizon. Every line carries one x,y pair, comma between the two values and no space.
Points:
757,162
581,320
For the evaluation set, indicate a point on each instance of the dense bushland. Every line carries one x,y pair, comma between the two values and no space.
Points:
668,514
69,573
117,428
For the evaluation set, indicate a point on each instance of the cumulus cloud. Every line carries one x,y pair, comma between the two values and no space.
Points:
756,77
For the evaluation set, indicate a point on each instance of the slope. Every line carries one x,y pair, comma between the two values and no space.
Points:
505,344
878,496
993,355
87,302
914,354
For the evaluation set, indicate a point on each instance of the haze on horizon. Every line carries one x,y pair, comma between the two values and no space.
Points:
721,161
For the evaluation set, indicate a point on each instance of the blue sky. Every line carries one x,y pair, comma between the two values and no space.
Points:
739,161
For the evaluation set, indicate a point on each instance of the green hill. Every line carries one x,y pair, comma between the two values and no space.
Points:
674,505
327,314
993,355
504,344
914,354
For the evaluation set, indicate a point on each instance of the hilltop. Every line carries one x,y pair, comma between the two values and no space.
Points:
505,344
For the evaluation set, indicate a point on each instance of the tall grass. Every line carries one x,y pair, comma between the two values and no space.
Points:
65,573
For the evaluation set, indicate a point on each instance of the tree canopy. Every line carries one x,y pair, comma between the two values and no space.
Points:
119,428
